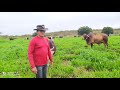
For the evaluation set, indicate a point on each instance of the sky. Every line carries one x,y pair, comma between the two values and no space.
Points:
21,23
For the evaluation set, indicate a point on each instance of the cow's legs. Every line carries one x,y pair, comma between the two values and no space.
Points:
91,45
106,45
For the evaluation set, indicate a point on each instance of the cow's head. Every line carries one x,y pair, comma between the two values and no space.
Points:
85,36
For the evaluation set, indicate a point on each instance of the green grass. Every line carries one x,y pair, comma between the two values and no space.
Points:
72,59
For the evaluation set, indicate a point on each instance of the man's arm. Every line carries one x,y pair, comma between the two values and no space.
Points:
30,53
49,52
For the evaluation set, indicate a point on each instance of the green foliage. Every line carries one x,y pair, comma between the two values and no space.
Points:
34,34
75,32
107,30
84,30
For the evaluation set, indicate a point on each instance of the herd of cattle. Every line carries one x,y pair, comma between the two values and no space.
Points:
94,38
91,39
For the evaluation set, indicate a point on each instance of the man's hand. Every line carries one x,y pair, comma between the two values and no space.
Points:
34,70
51,63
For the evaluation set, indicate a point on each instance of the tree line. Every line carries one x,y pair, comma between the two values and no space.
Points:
86,30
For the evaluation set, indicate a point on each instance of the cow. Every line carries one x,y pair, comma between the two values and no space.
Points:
99,38
50,37
26,38
52,45
11,38
60,36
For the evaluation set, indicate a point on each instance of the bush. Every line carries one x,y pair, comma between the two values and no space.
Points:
107,30
84,30
34,34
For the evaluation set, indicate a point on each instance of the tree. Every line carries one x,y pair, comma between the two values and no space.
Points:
107,30
84,30
34,34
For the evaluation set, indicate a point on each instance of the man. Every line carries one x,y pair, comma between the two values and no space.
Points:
52,45
39,52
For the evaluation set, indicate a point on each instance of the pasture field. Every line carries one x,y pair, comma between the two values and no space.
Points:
72,59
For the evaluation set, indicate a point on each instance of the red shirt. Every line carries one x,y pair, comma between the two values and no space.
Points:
38,51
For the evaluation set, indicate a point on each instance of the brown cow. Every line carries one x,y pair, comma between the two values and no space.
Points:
52,45
92,38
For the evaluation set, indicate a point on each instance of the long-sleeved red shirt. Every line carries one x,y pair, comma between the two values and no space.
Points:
39,51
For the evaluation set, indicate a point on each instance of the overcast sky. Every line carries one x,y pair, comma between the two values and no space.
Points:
20,23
